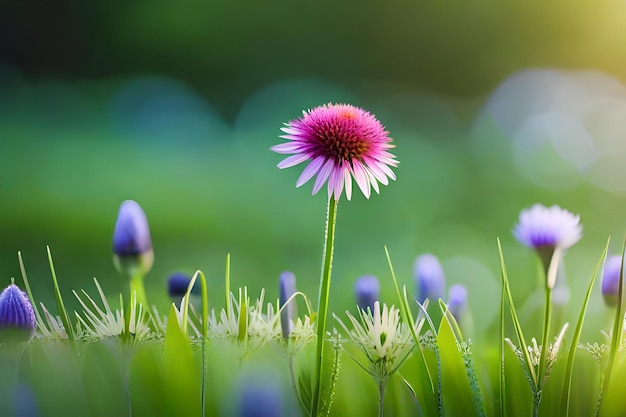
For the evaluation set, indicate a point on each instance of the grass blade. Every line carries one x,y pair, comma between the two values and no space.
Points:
502,393
408,318
40,322
516,323
616,334
579,327
227,287
57,293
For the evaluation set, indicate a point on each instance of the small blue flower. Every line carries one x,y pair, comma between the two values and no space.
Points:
132,245
457,301
178,283
260,397
286,289
547,227
430,279
610,279
367,292
16,312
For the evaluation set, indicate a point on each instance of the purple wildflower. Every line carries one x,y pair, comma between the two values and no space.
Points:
16,312
367,292
340,141
286,289
550,231
610,279
431,281
548,227
457,300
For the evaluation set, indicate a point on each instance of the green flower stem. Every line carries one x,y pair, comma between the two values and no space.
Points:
323,302
381,398
292,375
137,296
551,265
137,288
543,360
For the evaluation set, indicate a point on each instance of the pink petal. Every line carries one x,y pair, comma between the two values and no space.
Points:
310,170
361,178
290,130
291,137
387,171
322,176
378,173
336,183
287,147
293,160
347,179
373,181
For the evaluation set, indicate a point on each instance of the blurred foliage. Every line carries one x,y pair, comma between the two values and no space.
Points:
228,49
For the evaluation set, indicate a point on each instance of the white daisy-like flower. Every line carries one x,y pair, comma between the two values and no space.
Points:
101,323
302,334
248,324
385,341
534,349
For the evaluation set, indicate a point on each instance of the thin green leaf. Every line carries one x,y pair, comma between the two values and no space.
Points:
180,370
470,370
426,386
412,392
243,315
455,385
617,332
185,304
516,323
451,320
502,393
227,287
57,293
579,327
40,322
324,295
205,331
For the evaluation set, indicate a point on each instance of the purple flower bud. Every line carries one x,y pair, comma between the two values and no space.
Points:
430,279
260,397
132,245
178,283
457,301
16,312
367,292
286,289
610,279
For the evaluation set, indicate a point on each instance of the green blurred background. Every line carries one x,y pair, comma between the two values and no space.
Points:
493,106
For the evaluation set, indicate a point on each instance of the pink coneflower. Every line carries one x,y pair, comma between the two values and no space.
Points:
340,141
